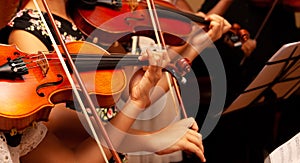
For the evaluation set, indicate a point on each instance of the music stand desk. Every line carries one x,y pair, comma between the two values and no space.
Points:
279,78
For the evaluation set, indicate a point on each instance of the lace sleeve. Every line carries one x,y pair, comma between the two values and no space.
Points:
4,151
31,138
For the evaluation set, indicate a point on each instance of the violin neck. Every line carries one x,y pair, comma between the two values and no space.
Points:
93,3
113,3
191,16
87,61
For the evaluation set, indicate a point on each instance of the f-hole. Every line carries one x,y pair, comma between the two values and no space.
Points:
49,84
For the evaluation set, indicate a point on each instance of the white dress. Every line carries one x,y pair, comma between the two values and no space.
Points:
169,114
159,115
31,138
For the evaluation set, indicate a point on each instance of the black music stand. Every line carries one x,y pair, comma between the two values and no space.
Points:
278,79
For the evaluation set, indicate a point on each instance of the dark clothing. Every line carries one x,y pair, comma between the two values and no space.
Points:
279,29
248,135
30,21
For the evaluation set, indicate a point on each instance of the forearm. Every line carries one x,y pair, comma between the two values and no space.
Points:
191,52
155,141
126,116
118,127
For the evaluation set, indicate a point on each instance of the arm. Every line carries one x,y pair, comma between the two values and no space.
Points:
197,41
220,8
182,135
200,39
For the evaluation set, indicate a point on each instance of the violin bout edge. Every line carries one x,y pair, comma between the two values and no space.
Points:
20,122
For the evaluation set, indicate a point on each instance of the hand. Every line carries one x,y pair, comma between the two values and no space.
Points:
191,142
142,82
248,47
201,39
218,26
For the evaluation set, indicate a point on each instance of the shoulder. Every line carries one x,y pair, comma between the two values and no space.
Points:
27,24
20,39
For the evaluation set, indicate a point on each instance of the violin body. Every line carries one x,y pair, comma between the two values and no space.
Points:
106,24
29,97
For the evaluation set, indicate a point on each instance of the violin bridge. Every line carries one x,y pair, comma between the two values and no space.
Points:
42,62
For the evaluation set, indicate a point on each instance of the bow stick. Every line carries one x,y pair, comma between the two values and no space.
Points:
161,44
78,78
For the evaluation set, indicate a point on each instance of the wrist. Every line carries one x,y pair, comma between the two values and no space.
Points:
132,109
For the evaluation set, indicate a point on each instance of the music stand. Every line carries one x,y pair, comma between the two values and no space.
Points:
278,79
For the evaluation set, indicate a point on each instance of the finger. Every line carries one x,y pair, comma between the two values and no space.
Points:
195,138
194,149
166,59
144,56
227,26
215,31
201,14
153,71
195,126
155,57
217,19
200,137
213,17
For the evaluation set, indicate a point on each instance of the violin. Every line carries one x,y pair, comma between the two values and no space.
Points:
236,36
107,24
33,83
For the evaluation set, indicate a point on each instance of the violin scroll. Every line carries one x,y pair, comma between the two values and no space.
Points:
236,36
179,69
183,65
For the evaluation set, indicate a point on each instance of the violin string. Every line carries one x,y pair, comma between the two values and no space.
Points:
75,91
84,60
60,56
154,24
174,80
162,46
134,45
87,97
